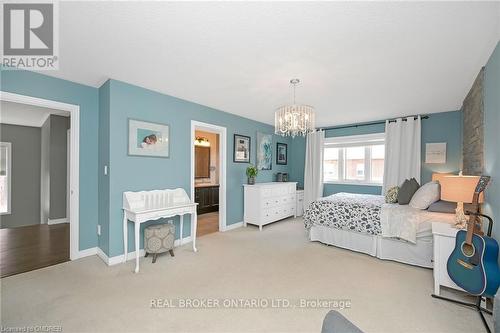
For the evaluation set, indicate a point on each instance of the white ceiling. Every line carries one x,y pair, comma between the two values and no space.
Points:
26,115
358,61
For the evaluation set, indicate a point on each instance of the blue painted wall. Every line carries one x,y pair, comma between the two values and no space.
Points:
131,173
492,137
440,127
103,139
443,127
41,86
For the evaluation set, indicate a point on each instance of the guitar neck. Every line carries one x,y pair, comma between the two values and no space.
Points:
471,224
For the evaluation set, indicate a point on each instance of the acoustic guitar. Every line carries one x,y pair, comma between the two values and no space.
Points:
473,264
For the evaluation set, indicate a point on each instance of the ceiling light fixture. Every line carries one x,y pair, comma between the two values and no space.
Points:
201,141
294,119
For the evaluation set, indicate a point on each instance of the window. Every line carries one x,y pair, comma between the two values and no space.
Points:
355,159
5,177
331,164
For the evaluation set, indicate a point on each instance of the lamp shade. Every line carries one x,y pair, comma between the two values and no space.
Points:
437,177
459,188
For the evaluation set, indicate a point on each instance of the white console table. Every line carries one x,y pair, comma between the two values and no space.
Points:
140,207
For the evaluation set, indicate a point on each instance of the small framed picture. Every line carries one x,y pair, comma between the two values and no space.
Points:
148,139
241,149
435,153
281,153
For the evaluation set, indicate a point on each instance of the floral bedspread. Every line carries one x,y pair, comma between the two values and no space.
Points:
346,211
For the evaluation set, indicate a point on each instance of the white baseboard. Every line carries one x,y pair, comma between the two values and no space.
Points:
87,252
131,255
100,253
58,221
233,226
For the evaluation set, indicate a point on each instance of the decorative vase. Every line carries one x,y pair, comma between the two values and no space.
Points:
251,180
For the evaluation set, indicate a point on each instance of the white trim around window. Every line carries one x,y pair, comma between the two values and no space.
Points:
355,140
343,142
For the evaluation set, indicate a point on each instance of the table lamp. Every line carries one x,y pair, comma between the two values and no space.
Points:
459,189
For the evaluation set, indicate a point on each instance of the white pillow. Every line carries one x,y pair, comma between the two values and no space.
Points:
426,195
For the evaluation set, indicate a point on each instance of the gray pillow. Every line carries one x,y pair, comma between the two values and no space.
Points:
407,190
442,206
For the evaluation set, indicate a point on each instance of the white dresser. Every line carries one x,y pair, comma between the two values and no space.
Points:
269,202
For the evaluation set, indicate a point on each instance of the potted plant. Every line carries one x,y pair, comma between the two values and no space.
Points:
251,174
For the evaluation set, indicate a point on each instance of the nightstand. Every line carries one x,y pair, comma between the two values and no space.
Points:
300,203
443,235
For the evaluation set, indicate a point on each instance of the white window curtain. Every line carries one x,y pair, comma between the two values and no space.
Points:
402,151
313,173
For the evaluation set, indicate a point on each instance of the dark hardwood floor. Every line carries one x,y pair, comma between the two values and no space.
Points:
207,223
27,248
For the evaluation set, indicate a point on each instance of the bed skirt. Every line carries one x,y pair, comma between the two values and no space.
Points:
419,254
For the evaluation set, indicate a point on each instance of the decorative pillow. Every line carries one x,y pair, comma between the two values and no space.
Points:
426,196
406,191
442,206
391,196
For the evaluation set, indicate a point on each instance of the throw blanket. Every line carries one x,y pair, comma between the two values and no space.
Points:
346,211
400,221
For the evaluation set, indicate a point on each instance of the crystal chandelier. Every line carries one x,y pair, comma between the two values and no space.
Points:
295,119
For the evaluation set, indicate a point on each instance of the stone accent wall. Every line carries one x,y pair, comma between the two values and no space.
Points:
473,138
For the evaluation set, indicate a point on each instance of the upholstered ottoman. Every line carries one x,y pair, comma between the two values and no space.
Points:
159,238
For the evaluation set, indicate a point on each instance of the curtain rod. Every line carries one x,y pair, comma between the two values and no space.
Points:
368,124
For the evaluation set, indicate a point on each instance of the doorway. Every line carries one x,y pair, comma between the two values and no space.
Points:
208,176
39,183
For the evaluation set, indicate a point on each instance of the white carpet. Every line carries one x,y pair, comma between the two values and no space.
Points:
87,296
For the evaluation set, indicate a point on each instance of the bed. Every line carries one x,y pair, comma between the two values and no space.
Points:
365,223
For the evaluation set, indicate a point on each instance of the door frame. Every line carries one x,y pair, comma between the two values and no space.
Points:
74,111
222,131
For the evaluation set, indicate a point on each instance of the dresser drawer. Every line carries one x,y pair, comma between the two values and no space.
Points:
277,213
279,191
266,192
267,215
270,202
288,210
277,201
286,200
271,215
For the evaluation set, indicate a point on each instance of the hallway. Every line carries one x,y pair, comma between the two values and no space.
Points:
207,223
24,249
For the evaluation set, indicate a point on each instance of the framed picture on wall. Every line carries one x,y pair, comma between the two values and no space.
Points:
264,151
281,153
148,139
241,149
